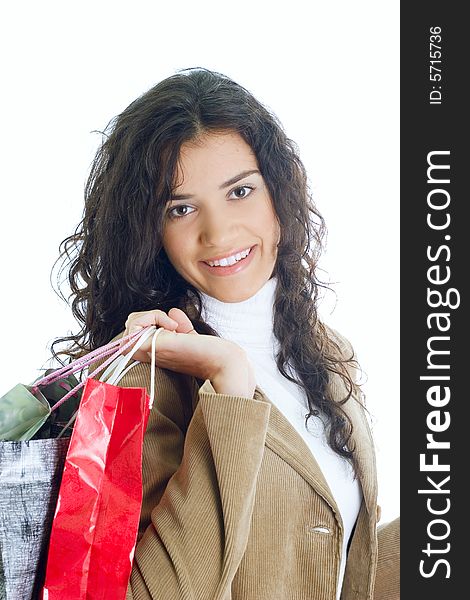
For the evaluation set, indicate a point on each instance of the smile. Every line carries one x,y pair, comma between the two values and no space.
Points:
229,260
230,265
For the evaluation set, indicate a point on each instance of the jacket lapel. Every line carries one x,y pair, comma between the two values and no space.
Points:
284,440
365,454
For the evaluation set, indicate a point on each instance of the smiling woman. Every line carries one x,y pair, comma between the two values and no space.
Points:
228,226
259,470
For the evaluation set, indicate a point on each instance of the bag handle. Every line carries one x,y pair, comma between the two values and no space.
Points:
88,359
85,360
123,371
117,368
116,377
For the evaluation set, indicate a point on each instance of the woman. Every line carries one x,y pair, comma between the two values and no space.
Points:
259,471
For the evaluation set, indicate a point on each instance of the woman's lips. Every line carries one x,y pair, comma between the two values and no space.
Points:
230,269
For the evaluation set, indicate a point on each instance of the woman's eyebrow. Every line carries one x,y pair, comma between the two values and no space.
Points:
226,184
237,178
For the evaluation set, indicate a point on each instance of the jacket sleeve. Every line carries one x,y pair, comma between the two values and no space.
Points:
387,580
200,471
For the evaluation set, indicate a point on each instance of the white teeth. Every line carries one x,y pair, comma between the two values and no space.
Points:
230,260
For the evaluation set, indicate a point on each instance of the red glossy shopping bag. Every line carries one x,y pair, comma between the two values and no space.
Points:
95,526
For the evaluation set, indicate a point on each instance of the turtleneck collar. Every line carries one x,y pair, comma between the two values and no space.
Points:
248,323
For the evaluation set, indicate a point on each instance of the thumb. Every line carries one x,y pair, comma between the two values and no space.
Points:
184,323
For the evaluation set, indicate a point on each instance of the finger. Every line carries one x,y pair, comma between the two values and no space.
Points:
159,318
184,323
138,321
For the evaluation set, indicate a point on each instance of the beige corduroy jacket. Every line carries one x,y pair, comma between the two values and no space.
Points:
236,508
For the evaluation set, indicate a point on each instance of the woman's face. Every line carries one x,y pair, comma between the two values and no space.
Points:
221,210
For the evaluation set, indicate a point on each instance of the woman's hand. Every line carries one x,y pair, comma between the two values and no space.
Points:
180,348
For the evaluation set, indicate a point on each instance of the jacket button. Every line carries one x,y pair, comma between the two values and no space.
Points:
320,529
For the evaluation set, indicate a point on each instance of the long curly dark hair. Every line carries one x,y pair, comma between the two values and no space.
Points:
115,261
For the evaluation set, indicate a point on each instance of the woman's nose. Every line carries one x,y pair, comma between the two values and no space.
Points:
218,229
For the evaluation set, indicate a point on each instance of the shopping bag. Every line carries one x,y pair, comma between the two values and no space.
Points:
58,422
30,471
95,526
30,474
23,411
26,410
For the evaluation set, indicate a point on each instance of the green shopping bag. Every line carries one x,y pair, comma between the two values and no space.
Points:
23,411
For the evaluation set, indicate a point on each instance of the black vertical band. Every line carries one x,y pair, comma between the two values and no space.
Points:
435,254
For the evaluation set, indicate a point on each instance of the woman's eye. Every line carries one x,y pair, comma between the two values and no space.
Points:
182,210
179,211
243,189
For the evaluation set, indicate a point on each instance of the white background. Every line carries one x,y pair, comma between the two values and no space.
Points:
330,71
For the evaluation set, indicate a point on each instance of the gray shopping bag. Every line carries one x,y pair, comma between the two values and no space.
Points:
30,474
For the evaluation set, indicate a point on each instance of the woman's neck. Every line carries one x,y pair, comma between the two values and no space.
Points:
248,323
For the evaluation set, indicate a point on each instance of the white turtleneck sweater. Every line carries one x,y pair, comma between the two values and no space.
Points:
250,324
